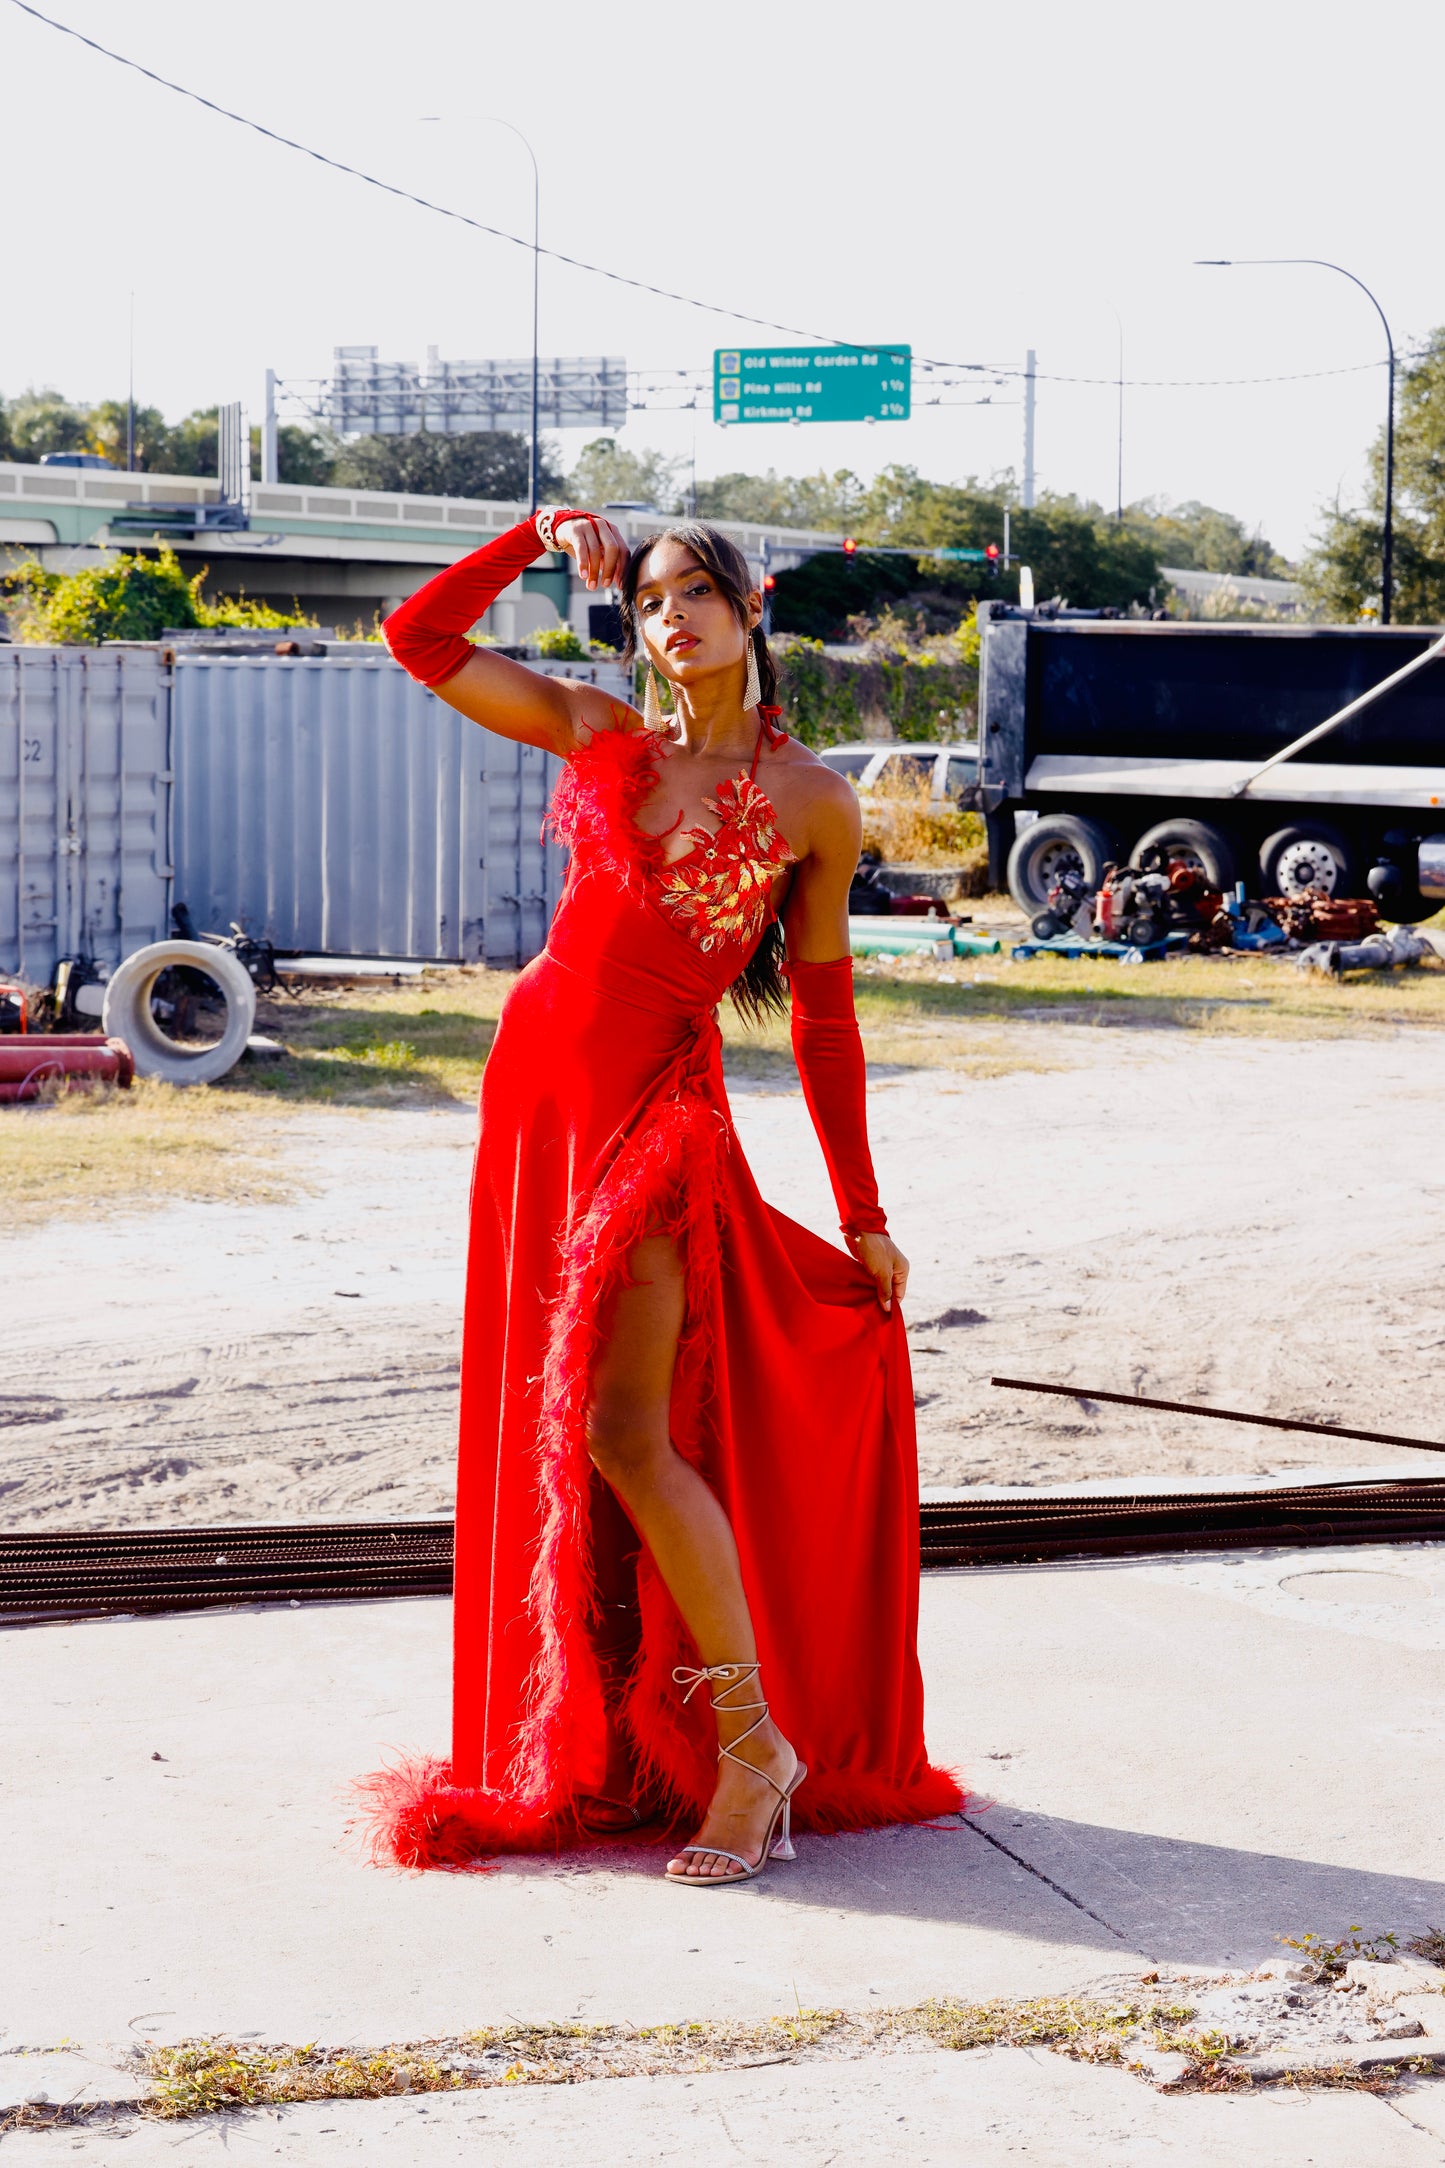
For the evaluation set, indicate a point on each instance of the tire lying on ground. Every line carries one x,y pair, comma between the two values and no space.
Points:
1056,843
1198,844
129,1012
1309,855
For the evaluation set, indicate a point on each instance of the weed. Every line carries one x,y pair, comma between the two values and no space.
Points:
1332,1957
901,820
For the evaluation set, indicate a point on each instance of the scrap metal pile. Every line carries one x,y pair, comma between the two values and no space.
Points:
1162,904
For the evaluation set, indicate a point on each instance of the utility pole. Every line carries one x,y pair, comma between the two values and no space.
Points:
130,396
534,463
270,450
1030,373
1119,469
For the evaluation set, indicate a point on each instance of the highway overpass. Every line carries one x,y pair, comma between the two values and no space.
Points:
344,555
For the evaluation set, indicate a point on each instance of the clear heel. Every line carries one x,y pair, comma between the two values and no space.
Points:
778,1842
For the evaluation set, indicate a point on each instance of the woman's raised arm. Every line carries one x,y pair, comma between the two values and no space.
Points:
427,635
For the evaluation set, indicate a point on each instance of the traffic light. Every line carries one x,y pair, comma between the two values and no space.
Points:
850,546
991,558
770,581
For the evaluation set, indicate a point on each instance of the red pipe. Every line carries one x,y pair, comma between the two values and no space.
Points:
72,1059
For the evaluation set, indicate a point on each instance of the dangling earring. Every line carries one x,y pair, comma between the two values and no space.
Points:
753,690
653,718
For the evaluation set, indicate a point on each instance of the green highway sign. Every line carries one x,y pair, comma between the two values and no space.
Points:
812,384
962,557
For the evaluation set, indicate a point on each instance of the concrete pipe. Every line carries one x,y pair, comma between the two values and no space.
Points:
130,1012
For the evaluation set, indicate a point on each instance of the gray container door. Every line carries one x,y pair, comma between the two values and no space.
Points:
85,790
330,804
516,877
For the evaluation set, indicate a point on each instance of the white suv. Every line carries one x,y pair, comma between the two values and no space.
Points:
951,770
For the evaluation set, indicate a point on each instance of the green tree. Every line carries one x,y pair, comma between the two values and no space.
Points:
1341,572
817,599
828,503
302,455
606,473
45,421
1204,539
1074,551
489,463
153,435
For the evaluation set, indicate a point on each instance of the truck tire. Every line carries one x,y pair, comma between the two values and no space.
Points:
1309,855
1058,843
128,1013
1198,844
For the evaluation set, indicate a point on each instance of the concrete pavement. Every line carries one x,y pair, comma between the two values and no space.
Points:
1177,1762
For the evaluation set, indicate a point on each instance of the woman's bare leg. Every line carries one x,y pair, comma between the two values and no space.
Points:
687,1532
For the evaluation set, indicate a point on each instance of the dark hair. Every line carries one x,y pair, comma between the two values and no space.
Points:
758,991
728,567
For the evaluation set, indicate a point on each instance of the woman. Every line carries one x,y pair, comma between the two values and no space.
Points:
687,1450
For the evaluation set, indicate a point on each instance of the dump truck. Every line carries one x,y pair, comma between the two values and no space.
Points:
1100,735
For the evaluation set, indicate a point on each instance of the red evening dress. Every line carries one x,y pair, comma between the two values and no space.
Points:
604,1118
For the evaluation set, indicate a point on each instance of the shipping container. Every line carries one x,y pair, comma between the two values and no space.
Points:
85,801
330,804
325,803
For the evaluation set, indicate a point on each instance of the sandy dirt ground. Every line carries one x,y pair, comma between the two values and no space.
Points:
1258,1223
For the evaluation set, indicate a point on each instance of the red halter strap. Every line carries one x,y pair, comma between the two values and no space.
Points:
774,737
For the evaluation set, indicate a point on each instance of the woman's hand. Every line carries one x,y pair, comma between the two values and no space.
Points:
881,1256
598,549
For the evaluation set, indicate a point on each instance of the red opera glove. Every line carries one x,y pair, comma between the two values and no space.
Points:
829,1054
426,635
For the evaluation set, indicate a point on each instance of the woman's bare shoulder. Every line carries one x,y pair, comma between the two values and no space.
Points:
815,804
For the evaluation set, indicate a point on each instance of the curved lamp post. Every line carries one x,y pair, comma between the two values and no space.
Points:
498,122
1387,553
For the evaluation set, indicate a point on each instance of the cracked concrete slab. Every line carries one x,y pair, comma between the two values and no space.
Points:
992,2108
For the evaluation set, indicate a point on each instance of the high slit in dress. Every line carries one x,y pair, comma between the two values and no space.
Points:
604,1118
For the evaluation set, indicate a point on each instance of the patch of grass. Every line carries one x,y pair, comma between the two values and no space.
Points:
425,1043
421,1043
94,1150
87,1151
1077,2025
1430,1945
201,2076
938,1031
1243,996
198,2077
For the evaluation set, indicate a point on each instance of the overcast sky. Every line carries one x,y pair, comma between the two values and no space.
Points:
971,179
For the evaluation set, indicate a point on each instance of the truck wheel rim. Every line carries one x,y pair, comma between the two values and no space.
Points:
1054,861
1307,864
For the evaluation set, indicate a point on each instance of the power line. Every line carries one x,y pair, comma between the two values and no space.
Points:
424,203
620,278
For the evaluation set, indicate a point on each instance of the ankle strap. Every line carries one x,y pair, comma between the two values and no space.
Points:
725,1675
729,1676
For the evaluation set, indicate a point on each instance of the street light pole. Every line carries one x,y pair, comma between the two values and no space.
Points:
1387,551
534,463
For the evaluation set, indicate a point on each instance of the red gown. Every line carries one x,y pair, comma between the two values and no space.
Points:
604,1118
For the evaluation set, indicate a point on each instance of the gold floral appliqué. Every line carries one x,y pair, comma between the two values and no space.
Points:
720,890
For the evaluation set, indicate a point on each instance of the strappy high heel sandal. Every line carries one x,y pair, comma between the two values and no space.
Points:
777,1843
